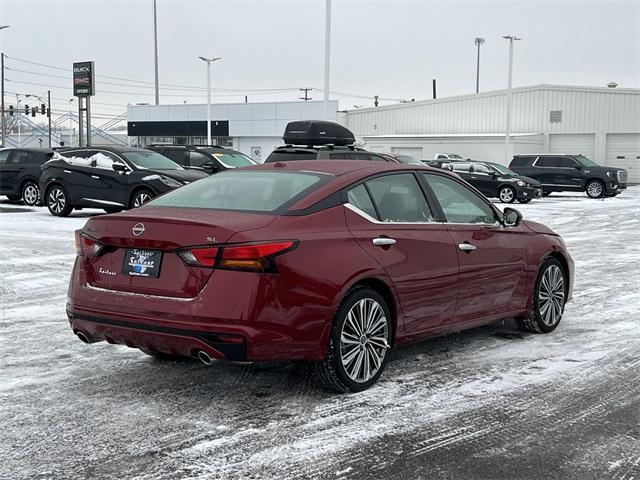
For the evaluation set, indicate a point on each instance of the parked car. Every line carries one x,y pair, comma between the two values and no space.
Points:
320,140
447,156
210,159
572,173
328,262
111,178
402,158
494,180
20,171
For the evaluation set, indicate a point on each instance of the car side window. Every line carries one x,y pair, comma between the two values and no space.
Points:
463,167
459,204
481,169
105,160
548,162
19,157
197,159
175,154
399,198
4,156
359,198
566,162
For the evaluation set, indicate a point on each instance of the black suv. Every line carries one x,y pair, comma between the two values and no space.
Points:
320,140
573,173
211,159
20,171
493,179
111,178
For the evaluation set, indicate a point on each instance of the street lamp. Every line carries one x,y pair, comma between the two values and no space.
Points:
155,53
209,62
478,41
327,57
511,39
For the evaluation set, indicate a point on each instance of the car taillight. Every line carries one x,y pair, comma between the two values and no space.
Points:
254,257
200,257
87,246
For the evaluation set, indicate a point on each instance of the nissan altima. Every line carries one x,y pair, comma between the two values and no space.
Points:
329,262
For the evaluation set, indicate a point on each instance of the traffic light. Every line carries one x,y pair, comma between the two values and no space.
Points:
43,109
11,110
26,109
34,110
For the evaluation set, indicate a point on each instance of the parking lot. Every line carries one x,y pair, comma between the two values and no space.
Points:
487,403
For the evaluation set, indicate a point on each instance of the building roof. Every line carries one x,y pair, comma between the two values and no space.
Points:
450,135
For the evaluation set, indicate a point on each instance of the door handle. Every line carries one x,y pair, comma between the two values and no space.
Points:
466,247
95,176
383,241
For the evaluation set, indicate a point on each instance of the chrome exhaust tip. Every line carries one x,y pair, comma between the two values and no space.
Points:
205,358
83,338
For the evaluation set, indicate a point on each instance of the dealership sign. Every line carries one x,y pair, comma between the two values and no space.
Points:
83,79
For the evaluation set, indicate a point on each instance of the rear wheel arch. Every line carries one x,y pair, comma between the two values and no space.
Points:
385,292
26,180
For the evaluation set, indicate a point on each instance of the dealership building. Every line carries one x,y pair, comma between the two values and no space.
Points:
599,122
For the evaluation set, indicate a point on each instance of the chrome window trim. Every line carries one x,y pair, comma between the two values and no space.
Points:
375,221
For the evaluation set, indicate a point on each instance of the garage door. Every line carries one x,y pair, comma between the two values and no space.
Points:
415,152
583,143
623,150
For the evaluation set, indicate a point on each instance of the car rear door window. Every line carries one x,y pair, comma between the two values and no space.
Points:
359,198
19,157
463,167
175,154
458,203
399,198
547,162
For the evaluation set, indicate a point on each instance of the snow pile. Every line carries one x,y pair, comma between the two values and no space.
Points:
97,160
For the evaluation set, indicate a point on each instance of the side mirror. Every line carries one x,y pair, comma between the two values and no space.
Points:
511,217
210,167
119,167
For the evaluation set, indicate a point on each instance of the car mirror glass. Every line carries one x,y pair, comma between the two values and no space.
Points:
511,217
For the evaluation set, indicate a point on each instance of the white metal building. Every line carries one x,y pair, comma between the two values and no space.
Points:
601,123
253,128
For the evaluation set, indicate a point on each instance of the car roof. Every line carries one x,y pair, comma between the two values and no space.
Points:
30,149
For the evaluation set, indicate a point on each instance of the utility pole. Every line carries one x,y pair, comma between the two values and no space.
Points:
433,86
49,114
478,41
155,51
327,56
2,95
511,39
306,97
70,125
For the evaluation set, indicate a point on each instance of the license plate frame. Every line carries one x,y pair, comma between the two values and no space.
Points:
139,262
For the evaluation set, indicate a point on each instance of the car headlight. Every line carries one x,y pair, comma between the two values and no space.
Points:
170,182
521,183
610,174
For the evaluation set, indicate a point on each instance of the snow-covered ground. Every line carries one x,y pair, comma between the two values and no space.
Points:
487,403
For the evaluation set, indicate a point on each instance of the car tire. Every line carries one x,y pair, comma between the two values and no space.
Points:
164,357
358,347
507,194
524,200
30,193
549,298
595,189
58,201
140,197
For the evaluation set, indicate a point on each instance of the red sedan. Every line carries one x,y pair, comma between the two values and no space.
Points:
330,262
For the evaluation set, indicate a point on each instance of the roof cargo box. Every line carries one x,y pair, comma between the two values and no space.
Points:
317,132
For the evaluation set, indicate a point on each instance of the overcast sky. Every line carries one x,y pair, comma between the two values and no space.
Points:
389,48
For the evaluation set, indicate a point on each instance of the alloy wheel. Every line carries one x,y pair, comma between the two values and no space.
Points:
594,189
140,199
551,295
30,194
57,200
364,340
507,195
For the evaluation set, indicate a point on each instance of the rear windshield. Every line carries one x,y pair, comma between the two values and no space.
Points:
288,156
233,159
146,159
249,190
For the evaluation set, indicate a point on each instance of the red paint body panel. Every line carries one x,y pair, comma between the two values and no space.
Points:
434,287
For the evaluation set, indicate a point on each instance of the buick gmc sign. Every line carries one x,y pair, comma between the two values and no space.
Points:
83,79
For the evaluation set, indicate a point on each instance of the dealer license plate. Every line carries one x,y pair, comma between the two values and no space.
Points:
142,263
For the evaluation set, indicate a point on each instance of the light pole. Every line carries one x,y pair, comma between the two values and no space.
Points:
327,56
155,52
209,62
18,119
478,41
2,27
70,124
511,39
